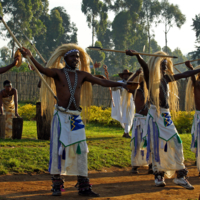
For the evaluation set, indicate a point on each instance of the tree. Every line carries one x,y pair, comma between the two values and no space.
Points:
59,30
170,15
151,10
196,28
93,9
5,55
154,46
24,17
181,58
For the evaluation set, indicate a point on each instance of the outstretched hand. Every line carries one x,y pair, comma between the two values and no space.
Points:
130,52
16,61
189,65
26,53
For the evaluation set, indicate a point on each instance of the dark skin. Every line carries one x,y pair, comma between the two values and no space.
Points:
60,80
196,84
139,98
165,80
9,91
6,92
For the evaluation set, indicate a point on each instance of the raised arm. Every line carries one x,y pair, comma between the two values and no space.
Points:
142,63
5,69
46,71
103,82
189,66
184,75
16,102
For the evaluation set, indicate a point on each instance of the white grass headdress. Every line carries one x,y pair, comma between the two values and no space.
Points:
47,100
155,77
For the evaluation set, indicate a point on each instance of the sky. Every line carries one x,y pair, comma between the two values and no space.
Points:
183,38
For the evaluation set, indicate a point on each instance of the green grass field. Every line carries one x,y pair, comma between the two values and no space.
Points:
106,145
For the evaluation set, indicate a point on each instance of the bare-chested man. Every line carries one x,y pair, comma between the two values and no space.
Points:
163,140
8,103
8,93
68,148
192,101
138,156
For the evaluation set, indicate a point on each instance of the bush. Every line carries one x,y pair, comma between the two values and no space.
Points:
183,121
27,112
102,116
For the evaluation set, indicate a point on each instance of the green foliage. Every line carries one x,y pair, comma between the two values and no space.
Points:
58,30
151,10
97,114
27,112
184,121
196,27
97,56
24,15
5,55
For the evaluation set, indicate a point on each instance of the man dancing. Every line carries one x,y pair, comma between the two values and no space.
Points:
119,111
9,101
138,156
68,147
192,101
162,137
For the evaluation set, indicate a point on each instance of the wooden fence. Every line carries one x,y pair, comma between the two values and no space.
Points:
26,84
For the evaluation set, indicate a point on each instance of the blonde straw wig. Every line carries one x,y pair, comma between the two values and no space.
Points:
155,77
189,95
47,99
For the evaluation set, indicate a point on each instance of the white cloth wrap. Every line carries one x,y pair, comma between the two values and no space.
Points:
67,141
195,145
139,159
172,159
119,112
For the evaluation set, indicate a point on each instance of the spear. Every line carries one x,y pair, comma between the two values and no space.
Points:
29,60
44,61
135,53
184,62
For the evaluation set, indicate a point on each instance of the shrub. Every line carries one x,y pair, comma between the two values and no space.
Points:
102,116
27,112
184,121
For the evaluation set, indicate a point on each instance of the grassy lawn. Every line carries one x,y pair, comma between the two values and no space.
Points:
106,145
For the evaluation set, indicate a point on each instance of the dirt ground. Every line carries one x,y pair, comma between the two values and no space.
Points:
111,183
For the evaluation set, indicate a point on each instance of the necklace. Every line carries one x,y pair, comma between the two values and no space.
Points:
72,90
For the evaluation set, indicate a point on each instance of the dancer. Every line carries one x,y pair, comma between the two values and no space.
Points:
192,102
68,147
162,137
138,156
119,111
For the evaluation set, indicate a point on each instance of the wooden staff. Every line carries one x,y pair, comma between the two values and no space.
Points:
184,62
30,61
44,61
107,76
135,53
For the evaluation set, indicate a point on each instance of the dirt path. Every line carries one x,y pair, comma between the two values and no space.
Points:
110,184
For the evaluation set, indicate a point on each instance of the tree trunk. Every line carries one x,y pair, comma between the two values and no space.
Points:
92,30
43,126
166,37
2,126
17,128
